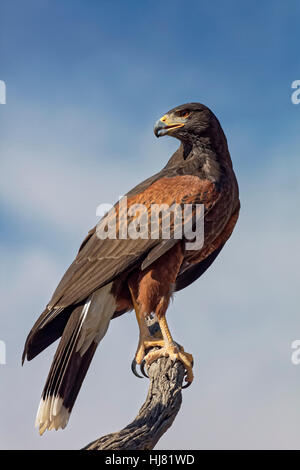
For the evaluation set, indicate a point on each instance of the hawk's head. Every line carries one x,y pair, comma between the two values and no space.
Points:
186,121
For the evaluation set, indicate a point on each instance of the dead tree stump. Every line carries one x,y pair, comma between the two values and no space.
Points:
155,416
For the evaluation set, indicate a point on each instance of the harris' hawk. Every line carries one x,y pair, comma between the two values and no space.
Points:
114,275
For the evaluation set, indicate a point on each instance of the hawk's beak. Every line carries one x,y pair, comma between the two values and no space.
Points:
165,124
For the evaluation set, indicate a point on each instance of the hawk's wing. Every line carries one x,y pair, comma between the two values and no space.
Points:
100,261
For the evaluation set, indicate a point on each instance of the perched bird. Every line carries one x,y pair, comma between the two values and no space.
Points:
114,275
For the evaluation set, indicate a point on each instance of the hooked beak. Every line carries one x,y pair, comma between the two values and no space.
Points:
165,125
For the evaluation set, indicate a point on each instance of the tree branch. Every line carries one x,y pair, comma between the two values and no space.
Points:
155,416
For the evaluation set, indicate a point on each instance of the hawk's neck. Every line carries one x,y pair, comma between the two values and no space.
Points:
202,157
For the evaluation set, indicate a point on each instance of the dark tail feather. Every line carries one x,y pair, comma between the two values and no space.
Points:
47,329
65,377
84,330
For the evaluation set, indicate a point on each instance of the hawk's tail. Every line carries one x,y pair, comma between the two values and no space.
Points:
84,330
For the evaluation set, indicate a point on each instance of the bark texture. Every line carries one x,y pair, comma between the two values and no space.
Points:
155,416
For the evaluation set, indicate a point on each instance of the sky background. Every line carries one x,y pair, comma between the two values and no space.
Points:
86,80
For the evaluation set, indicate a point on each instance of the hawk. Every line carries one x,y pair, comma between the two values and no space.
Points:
114,275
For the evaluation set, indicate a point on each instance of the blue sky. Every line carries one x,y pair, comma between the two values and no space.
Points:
86,80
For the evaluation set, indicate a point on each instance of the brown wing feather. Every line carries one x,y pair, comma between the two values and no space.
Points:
100,261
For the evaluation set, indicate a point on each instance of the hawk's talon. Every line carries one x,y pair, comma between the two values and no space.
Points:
133,368
186,385
174,352
144,345
143,369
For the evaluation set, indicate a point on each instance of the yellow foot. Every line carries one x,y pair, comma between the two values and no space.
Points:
174,352
146,343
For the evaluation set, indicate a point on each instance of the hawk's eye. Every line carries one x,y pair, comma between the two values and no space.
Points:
184,114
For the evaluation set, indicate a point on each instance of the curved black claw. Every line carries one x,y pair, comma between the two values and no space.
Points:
133,368
186,385
143,369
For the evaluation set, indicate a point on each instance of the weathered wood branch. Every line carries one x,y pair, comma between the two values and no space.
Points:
155,416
